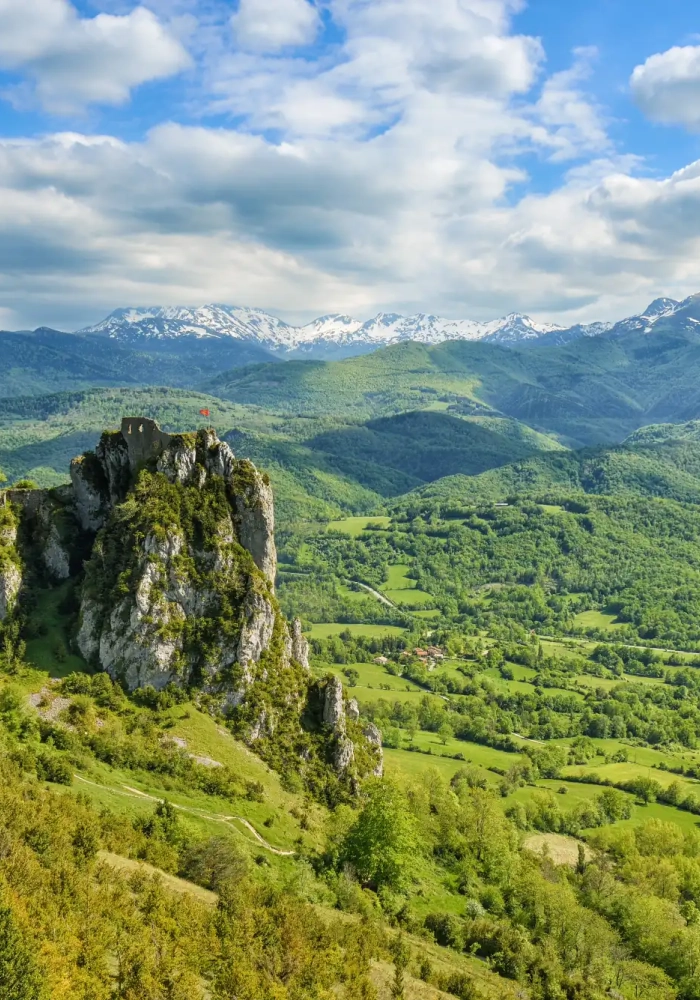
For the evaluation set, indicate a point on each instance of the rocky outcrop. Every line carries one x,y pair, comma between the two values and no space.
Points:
10,585
55,555
252,498
340,718
333,707
90,496
10,572
256,633
178,577
374,738
300,645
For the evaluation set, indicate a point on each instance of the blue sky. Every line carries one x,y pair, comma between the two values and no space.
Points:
460,157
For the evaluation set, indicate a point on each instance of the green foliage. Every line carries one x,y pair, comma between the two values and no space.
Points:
382,844
20,976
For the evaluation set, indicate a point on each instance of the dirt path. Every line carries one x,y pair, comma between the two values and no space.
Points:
135,793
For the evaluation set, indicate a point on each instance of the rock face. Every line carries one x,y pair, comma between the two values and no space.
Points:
333,708
255,517
340,718
10,572
103,479
300,646
10,584
192,530
176,537
374,738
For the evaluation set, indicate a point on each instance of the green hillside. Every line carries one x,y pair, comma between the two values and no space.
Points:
667,467
320,467
595,390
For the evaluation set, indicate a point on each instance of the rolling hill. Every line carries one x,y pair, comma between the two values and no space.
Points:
595,390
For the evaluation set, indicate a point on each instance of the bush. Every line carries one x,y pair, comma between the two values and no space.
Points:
51,767
446,929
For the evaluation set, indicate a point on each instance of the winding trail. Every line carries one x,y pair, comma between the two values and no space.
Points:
135,793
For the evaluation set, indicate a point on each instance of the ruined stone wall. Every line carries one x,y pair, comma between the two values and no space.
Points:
145,441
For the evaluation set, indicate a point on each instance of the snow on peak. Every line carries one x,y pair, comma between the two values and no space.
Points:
335,332
253,324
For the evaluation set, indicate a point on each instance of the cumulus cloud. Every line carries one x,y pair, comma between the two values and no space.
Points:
91,225
270,25
667,86
379,170
73,61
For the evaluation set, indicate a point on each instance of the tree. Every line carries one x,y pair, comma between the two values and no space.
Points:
445,733
401,954
382,844
20,978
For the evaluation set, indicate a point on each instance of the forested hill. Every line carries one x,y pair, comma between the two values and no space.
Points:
597,389
661,460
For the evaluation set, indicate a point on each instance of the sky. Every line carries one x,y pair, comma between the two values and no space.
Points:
465,158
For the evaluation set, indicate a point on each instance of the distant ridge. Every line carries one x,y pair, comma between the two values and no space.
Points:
336,336
328,336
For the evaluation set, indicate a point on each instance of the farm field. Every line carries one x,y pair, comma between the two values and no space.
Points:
325,629
402,590
354,526
372,676
597,619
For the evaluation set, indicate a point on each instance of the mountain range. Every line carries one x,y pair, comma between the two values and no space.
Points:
336,336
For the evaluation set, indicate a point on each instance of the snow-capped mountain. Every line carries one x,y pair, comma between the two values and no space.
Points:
337,336
164,322
333,331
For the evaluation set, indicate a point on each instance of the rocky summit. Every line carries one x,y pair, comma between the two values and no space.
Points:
170,541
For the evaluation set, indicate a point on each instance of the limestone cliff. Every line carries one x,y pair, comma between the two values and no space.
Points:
169,542
10,565
350,737
179,587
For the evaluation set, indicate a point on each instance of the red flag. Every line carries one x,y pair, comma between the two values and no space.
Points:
205,413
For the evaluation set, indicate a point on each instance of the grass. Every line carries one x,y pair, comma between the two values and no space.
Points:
398,579
410,598
408,762
402,590
324,629
372,675
597,619
172,882
354,526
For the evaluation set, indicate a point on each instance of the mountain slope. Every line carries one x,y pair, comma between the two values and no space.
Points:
336,336
658,461
50,361
328,336
593,390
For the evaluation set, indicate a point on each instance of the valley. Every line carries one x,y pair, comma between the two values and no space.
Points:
437,717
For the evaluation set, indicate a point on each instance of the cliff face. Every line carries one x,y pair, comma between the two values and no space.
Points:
351,739
176,539
179,587
10,564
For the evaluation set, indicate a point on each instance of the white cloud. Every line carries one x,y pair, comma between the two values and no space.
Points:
270,25
667,86
73,61
192,215
379,171
572,124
